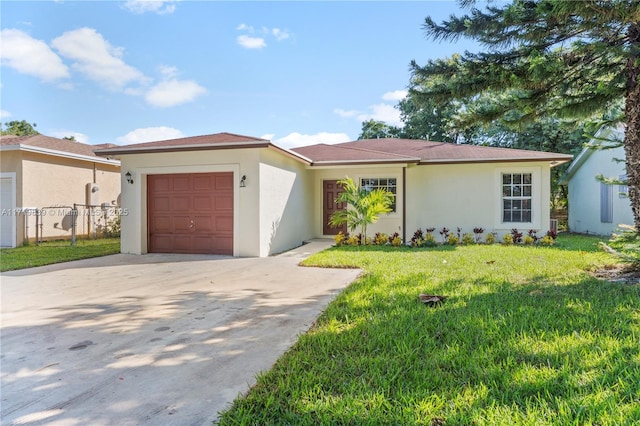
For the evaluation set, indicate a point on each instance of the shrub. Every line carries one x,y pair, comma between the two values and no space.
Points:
516,236
429,241
340,238
547,240
478,232
553,234
490,238
468,239
353,240
445,234
452,240
393,237
507,239
397,241
528,240
416,240
380,239
533,233
429,230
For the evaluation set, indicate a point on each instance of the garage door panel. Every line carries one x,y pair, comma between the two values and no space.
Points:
181,203
224,181
181,183
202,203
161,184
224,203
202,183
161,204
224,224
162,223
191,213
182,224
202,224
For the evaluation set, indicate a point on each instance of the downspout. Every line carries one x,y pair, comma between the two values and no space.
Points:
404,204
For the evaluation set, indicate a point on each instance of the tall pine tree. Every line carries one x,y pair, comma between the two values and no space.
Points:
544,58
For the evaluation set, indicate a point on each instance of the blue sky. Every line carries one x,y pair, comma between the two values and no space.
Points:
134,71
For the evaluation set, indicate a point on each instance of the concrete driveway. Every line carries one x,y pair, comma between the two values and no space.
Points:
153,339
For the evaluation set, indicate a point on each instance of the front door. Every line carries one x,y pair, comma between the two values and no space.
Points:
330,191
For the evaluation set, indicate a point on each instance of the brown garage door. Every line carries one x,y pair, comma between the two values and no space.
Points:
190,213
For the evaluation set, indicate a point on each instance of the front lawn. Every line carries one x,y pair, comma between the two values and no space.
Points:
55,252
526,337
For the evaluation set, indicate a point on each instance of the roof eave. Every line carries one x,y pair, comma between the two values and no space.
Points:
180,148
555,161
363,162
64,154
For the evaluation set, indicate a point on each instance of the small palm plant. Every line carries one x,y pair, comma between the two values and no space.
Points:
363,207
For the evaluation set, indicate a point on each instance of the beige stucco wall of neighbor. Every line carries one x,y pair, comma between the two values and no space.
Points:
469,196
286,202
387,223
584,194
53,181
246,242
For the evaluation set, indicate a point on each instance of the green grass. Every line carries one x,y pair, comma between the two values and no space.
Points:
55,252
526,337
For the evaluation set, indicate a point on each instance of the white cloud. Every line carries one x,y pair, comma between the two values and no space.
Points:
383,112
161,7
80,137
396,95
243,27
346,114
268,136
30,56
249,42
150,134
379,112
4,114
296,140
173,92
280,34
97,59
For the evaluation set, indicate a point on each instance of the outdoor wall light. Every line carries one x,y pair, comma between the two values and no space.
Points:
243,181
129,178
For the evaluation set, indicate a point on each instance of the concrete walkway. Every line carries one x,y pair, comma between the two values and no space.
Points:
153,339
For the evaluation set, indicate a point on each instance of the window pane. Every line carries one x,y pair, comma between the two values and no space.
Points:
506,179
526,215
517,178
506,191
517,190
392,181
526,191
516,204
526,204
526,178
506,204
506,216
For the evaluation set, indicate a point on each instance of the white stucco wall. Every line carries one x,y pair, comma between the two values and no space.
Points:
470,195
286,202
584,194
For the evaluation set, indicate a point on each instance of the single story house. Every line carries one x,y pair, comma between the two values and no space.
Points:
594,206
244,196
49,175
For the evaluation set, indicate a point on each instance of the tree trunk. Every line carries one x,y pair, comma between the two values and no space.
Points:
632,115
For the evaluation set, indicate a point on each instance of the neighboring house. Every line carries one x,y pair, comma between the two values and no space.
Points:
245,196
50,174
596,207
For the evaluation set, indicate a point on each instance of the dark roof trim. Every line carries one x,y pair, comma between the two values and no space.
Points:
556,161
180,148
